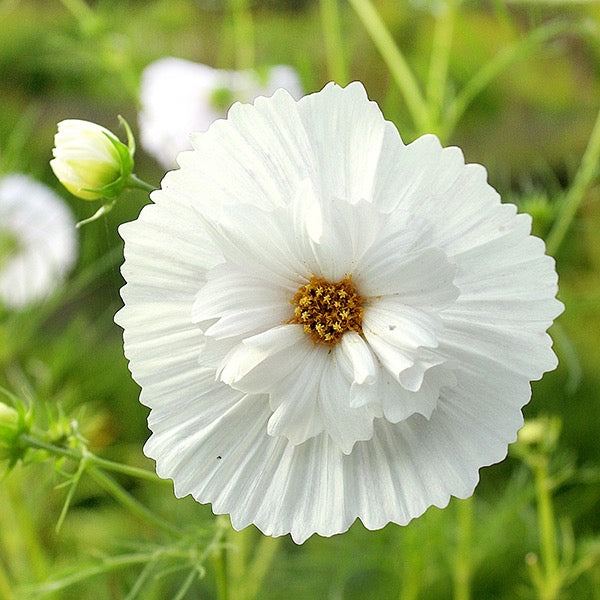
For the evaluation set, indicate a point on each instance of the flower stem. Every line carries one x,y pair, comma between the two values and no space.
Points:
78,455
135,182
85,16
495,66
5,586
243,34
462,563
588,169
125,498
395,62
438,66
336,61
258,568
547,532
220,559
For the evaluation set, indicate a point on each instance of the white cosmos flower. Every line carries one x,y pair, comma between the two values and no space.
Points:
327,323
38,241
179,96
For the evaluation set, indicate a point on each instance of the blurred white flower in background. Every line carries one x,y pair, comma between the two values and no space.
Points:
38,241
328,324
179,97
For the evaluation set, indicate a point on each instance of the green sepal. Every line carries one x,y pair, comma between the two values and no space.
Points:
11,448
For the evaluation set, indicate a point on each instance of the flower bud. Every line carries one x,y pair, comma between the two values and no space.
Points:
90,161
9,427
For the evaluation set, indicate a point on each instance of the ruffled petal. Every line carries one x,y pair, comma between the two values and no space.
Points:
345,133
362,367
242,304
247,411
276,349
258,156
223,455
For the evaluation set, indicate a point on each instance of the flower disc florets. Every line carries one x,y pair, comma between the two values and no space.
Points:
374,396
327,311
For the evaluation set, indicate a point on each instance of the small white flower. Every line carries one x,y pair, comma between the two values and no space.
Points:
328,324
179,97
91,161
38,242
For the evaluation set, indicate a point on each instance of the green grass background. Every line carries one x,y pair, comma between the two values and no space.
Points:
529,127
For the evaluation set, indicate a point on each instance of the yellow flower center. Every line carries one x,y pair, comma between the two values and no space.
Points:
327,310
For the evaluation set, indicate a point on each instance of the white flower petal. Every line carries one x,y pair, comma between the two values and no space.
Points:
400,325
345,424
347,156
277,427
255,350
242,304
259,156
295,399
362,363
261,244
308,216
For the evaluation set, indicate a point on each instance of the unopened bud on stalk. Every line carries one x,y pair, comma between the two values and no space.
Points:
90,161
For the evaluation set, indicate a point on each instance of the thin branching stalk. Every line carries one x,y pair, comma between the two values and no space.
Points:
219,557
24,547
243,33
497,65
463,561
186,585
258,568
413,552
547,531
588,170
334,47
105,565
84,15
238,549
127,500
395,61
6,592
135,182
93,460
438,65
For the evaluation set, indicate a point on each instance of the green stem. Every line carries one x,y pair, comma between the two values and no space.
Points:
135,182
85,16
105,565
20,528
125,498
547,532
586,173
93,460
5,585
220,559
495,66
258,568
238,543
395,61
438,66
243,34
462,563
334,46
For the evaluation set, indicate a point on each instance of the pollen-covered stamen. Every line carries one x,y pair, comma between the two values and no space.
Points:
327,310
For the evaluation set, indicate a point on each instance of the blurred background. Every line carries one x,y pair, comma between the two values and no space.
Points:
528,120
